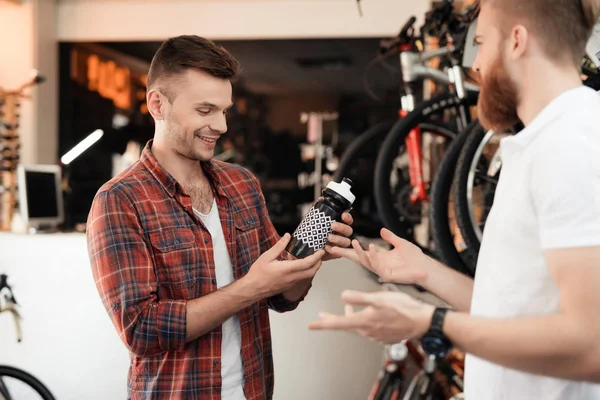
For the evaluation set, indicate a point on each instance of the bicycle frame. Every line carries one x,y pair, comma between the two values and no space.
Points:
391,379
414,70
10,306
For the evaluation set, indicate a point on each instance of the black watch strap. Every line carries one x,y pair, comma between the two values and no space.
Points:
437,321
434,342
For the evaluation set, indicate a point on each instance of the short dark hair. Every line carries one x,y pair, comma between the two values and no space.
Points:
564,26
177,55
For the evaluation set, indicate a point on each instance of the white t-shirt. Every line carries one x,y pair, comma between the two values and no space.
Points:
548,197
232,369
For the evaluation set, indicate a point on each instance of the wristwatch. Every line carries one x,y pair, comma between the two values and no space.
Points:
434,342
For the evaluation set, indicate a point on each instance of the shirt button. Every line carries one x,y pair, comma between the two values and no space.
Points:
176,241
216,362
206,240
214,281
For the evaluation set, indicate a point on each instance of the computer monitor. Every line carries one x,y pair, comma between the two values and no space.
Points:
40,195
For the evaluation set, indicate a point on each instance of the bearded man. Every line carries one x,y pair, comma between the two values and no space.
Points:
529,322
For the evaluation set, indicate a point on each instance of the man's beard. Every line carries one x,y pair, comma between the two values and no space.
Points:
498,99
181,142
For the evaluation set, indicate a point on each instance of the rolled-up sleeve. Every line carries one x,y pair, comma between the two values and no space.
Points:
125,278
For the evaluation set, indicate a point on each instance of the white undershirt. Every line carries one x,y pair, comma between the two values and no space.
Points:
232,370
548,197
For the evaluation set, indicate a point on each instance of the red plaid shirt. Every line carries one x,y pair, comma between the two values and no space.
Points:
150,254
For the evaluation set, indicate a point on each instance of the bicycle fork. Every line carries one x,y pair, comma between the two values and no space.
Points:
414,150
423,382
391,378
389,384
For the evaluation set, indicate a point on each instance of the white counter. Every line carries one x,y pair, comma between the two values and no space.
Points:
70,344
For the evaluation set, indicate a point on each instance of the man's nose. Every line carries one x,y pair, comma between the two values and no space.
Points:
219,124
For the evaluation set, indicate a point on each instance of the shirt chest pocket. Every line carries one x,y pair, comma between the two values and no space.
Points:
177,260
248,237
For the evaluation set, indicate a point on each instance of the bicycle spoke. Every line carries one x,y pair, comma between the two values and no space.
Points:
485,177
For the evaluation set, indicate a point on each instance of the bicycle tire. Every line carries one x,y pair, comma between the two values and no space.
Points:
357,146
466,261
460,196
351,167
28,379
392,143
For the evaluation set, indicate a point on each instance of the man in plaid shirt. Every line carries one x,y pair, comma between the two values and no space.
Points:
184,255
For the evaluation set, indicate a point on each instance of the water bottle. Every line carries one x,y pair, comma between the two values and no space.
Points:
313,232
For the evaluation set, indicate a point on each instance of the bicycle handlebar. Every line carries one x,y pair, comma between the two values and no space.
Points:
409,24
386,46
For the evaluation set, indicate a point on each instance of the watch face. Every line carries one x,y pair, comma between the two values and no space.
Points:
437,346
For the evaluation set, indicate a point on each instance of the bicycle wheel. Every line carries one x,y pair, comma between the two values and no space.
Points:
392,147
407,213
357,163
475,180
362,145
16,384
439,212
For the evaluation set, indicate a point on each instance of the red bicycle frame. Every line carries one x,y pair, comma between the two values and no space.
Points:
414,150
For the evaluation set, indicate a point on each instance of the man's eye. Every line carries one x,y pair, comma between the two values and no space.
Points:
203,112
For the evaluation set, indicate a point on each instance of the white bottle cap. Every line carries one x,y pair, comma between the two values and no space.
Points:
343,189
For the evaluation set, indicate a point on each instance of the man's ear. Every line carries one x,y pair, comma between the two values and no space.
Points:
156,101
519,40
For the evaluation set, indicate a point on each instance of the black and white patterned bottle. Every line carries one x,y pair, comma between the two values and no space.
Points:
313,232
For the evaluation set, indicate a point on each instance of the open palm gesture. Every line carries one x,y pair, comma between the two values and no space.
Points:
405,263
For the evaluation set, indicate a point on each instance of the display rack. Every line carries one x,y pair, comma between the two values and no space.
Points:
10,146
314,122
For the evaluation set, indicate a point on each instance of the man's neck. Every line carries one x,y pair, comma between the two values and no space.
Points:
544,83
184,170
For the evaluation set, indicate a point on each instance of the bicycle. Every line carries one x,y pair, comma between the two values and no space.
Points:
14,381
407,132
357,160
407,135
438,378
473,175
439,217
410,187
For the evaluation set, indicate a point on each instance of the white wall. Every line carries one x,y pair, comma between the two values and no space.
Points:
68,340
311,365
231,19
70,344
16,40
45,59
